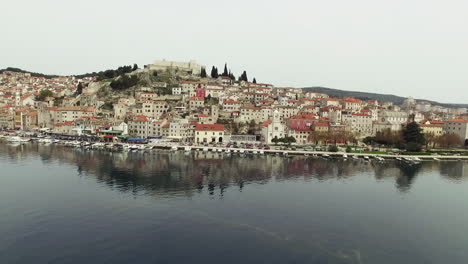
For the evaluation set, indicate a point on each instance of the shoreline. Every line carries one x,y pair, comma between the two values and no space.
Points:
174,147
326,153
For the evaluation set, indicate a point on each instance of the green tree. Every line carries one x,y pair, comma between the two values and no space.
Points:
413,137
79,89
214,72
225,72
275,140
332,148
254,80
287,140
135,67
124,82
44,94
203,73
291,140
243,77
252,127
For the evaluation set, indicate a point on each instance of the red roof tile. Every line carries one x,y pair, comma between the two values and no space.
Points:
209,127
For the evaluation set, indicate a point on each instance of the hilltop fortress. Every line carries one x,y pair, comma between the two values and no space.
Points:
191,67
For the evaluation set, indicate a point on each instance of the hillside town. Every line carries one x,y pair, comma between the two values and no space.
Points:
180,102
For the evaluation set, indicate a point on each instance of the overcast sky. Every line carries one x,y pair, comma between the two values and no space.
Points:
413,48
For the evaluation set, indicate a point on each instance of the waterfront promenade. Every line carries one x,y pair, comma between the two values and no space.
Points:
322,153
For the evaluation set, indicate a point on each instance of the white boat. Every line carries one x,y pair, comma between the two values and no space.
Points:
326,156
436,159
133,147
285,153
355,157
46,141
175,148
14,139
379,158
98,145
255,152
107,146
141,147
366,158
263,152
205,149
187,148
345,156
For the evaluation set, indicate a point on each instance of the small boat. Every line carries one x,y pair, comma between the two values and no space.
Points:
355,157
14,139
379,158
436,159
205,149
325,156
220,150
345,156
98,145
366,158
141,147
18,139
47,141
133,147
174,148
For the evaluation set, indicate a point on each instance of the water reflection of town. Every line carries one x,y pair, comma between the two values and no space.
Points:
170,173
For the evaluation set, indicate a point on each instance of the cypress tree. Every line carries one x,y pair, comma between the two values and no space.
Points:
231,76
413,137
254,80
243,77
203,73
214,72
225,72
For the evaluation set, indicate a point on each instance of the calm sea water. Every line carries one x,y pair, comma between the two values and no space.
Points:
62,205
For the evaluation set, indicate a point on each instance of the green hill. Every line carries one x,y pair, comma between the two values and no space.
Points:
373,96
